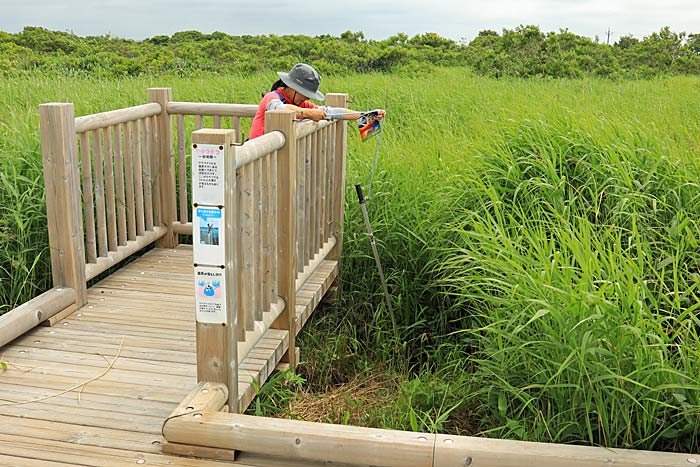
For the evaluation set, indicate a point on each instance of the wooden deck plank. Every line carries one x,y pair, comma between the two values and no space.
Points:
130,319
135,310
162,267
12,461
41,337
80,435
98,292
106,311
135,294
84,373
123,329
18,352
181,288
144,313
15,393
85,417
148,308
172,262
92,456
109,348
271,348
125,390
136,272
89,446
70,454
312,291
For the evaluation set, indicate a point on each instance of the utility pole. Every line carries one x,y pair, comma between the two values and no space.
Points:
608,33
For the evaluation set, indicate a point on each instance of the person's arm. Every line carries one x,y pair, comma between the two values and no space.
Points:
303,113
340,113
313,112
307,110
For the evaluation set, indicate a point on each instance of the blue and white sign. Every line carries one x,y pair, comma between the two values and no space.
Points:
208,232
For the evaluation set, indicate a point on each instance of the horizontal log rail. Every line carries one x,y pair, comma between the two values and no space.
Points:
116,117
103,263
204,108
307,127
182,228
254,149
205,397
19,320
260,327
316,262
322,442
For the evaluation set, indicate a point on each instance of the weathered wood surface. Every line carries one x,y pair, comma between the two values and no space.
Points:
203,108
23,318
133,345
115,117
282,120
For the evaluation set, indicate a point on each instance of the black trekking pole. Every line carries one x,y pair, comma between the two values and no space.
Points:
363,206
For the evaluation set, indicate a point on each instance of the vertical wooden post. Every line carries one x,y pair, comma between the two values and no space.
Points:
283,120
164,171
217,344
337,216
64,210
247,236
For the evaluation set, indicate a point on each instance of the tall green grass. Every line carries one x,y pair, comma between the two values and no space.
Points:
540,240
577,258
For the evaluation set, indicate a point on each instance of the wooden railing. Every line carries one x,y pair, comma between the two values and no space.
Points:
117,181
283,212
121,167
199,115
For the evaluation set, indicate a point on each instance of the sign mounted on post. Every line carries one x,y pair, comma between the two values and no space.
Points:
208,174
209,235
209,232
214,244
210,294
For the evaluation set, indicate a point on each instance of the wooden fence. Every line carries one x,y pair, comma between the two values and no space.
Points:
199,427
117,181
284,213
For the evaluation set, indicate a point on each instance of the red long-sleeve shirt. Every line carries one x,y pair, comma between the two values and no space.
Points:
269,102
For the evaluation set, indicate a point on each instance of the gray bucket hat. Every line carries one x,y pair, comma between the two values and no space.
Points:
304,80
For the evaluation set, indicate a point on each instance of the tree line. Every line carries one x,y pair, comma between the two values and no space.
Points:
524,51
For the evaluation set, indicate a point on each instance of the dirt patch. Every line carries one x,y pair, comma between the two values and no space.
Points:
356,402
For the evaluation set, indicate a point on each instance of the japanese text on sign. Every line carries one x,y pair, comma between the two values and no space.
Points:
207,174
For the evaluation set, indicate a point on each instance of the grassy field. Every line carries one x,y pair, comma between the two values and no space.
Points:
540,238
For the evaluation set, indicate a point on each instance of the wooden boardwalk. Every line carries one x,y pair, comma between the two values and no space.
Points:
133,347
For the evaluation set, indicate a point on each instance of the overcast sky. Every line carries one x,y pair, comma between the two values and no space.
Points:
454,19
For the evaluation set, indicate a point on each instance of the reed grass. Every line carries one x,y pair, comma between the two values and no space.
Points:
542,242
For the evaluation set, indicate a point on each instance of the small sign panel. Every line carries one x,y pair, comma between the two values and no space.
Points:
208,233
210,294
208,174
